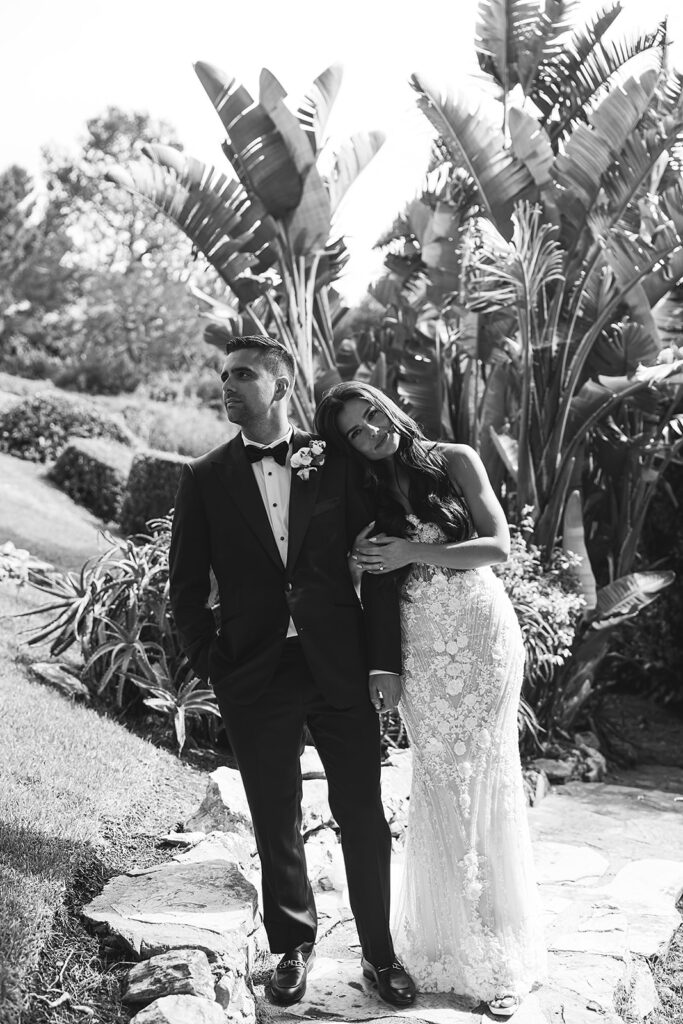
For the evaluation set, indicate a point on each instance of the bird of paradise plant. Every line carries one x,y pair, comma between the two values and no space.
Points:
267,225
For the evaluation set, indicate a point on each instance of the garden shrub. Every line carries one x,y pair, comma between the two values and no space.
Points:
548,606
180,428
39,428
648,650
151,489
94,473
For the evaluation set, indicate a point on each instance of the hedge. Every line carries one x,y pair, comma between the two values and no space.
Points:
94,473
151,489
39,428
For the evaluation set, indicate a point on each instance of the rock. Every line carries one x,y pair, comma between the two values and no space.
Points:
564,862
61,678
229,846
594,766
179,972
580,989
555,770
311,765
209,905
647,891
315,807
180,1010
182,838
324,860
586,739
536,785
235,996
224,807
637,996
397,773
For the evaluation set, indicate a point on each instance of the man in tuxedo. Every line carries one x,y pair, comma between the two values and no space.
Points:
295,648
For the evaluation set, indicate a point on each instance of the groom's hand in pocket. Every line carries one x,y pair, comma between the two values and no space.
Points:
385,691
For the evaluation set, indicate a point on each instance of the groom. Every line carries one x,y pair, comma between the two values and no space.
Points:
274,516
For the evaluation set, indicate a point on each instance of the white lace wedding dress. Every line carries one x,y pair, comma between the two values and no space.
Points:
467,918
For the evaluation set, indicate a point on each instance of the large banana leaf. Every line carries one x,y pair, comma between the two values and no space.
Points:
578,172
308,226
476,142
568,85
341,167
212,218
627,596
509,40
258,147
531,145
271,97
621,350
251,218
317,104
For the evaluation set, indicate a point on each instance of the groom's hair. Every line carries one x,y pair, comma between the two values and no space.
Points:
272,353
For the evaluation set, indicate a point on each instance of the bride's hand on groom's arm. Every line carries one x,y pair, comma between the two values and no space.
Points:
385,690
381,553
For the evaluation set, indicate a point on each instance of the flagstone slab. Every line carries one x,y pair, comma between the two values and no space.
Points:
180,1010
648,891
337,991
623,823
565,862
209,905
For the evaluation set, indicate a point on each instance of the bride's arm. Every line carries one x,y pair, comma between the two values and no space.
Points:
492,543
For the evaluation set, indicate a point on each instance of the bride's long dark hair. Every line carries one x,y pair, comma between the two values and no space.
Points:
431,494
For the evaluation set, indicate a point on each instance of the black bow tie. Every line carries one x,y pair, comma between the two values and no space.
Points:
276,451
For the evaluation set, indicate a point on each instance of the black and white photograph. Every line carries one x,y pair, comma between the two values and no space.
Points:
341,512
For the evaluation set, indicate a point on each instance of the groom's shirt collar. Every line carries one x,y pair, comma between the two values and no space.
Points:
271,444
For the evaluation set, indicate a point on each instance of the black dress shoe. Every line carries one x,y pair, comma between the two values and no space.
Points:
394,984
288,980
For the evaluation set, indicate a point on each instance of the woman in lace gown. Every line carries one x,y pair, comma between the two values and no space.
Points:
468,918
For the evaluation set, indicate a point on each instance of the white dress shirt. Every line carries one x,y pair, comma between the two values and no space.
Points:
275,484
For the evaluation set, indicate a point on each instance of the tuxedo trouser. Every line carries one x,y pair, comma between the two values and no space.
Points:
267,739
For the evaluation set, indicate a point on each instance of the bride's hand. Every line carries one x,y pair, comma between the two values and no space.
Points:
381,553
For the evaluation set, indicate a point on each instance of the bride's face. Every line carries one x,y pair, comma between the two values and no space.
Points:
368,430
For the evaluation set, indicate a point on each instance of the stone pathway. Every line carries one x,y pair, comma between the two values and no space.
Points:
609,860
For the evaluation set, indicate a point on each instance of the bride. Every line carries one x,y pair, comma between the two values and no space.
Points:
468,918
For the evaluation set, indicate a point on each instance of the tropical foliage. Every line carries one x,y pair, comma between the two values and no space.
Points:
116,612
267,225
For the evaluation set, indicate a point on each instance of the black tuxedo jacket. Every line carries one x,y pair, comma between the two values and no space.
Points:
220,523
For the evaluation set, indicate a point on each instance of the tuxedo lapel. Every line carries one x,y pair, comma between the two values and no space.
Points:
301,501
243,491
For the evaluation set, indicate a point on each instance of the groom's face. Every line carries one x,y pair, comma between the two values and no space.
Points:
249,387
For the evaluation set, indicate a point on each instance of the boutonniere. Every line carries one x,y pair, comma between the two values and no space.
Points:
306,460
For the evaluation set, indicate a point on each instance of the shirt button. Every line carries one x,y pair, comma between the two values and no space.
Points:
282,538
274,504
269,473
288,587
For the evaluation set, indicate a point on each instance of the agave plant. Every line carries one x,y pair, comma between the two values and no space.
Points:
267,225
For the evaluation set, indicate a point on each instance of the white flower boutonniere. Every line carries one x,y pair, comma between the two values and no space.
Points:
306,460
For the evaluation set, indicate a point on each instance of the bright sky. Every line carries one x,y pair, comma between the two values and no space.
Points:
62,62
